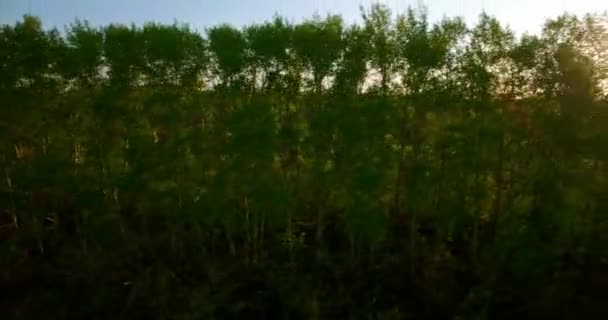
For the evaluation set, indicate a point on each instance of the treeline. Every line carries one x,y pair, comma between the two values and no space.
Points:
395,169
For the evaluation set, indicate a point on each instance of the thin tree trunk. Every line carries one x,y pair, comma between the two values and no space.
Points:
475,243
231,245
476,211
261,238
413,254
384,83
254,80
498,201
255,239
9,183
353,245
315,307
397,197
318,83
319,232
247,232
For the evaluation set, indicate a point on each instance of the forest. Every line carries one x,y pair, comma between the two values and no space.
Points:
395,168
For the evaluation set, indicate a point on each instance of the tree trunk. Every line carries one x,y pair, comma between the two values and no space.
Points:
319,233
413,254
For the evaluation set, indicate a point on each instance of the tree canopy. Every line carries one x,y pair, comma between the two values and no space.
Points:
395,169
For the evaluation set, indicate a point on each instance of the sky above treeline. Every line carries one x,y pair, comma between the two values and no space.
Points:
521,15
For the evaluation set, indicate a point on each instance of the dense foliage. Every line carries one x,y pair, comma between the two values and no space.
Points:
396,169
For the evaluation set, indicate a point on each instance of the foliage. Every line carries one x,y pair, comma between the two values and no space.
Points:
153,172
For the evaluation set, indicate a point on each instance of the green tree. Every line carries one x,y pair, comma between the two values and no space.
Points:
228,44
318,43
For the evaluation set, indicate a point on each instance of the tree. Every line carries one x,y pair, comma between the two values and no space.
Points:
228,47
269,44
379,28
318,43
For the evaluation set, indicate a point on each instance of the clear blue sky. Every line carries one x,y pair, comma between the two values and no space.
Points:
521,15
